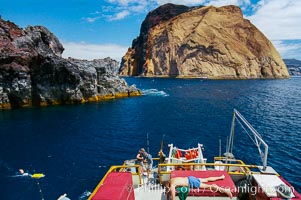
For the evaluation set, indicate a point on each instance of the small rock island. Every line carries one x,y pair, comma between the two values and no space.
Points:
33,72
203,41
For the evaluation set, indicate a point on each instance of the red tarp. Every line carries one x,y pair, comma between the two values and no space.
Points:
225,183
116,186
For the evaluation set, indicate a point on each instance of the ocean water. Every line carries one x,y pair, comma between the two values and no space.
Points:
74,145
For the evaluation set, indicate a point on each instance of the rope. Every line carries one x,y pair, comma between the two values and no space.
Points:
40,189
130,189
255,142
246,131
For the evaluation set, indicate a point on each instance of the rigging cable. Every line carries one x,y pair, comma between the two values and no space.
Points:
40,189
255,142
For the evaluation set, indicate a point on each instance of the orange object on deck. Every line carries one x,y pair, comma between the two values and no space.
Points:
178,154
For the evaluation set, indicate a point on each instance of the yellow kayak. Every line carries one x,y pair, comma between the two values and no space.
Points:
37,176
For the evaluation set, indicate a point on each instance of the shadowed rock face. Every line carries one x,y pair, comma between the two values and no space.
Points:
209,42
32,71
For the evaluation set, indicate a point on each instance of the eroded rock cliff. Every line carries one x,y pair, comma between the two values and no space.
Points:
217,43
32,71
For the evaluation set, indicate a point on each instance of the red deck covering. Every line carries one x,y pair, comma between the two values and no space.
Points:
117,186
225,183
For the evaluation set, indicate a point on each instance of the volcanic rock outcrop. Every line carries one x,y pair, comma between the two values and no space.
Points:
216,43
32,71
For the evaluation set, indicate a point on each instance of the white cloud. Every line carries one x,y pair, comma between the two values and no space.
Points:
228,2
288,49
278,19
180,2
126,2
93,51
91,19
120,15
206,2
139,8
124,8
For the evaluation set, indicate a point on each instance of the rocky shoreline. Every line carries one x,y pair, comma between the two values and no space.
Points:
33,73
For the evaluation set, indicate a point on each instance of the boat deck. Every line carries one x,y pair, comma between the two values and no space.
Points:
129,182
151,193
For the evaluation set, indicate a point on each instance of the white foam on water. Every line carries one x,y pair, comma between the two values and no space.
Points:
154,92
85,195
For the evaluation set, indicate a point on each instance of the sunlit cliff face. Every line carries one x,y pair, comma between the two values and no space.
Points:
209,42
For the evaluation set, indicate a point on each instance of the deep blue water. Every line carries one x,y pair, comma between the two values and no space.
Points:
74,145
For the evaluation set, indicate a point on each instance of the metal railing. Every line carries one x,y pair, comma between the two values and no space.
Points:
245,169
255,137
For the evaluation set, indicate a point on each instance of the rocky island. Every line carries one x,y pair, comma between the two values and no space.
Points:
209,42
33,73
294,66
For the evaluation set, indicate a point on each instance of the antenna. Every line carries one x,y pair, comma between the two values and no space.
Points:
220,148
147,142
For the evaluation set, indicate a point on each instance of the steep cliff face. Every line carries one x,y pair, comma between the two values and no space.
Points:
32,71
206,42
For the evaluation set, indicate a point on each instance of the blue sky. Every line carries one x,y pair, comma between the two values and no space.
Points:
91,29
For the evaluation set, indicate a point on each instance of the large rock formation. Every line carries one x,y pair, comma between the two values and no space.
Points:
293,66
32,71
217,43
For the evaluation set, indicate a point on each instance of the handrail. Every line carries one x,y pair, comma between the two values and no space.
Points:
208,164
187,149
247,170
114,168
190,164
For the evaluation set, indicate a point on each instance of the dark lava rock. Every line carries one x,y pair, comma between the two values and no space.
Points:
32,71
